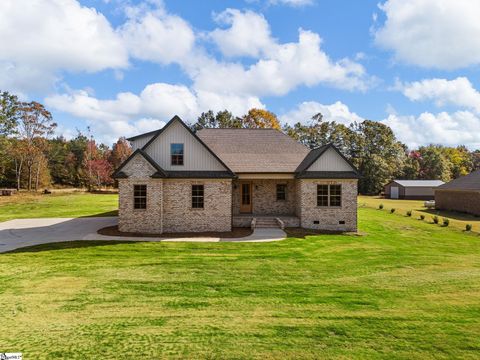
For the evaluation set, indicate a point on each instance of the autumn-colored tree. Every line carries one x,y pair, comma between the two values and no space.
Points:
120,152
260,119
97,169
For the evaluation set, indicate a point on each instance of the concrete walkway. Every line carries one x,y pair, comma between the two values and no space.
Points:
20,233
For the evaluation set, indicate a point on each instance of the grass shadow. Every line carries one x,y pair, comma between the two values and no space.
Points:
65,245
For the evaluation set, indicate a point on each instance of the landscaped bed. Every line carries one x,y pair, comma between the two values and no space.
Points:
235,233
404,289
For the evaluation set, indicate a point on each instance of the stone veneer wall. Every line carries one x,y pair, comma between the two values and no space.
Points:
328,217
179,216
265,197
147,220
463,201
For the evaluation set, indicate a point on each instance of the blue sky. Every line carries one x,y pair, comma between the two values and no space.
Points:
124,67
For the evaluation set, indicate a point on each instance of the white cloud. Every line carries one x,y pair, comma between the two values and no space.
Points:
129,114
282,68
442,34
459,92
38,38
294,3
157,36
458,128
248,34
337,112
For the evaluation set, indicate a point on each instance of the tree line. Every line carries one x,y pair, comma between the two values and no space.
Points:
370,145
32,158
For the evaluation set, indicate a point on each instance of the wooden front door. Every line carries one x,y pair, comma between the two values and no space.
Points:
246,197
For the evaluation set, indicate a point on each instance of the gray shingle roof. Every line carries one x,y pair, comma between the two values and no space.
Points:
255,150
419,183
467,182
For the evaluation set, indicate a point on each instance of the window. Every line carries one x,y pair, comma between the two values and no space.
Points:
197,196
139,196
329,195
176,153
335,195
281,192
322,195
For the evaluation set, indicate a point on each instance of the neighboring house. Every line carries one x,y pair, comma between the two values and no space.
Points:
180,181
462,194
412,189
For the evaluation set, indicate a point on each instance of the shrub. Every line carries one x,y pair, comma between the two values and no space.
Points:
392,211
468,227
409,213
446,222
436,219
380,207
422,217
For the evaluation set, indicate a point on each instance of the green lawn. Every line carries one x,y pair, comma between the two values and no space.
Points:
25,205
405,289
457,220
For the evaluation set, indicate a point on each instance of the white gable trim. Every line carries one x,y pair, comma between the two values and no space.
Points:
197,157
330,160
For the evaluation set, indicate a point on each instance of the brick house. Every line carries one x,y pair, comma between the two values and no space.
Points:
462,194
215,179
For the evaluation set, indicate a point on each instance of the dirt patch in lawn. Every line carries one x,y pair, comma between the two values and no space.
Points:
235,233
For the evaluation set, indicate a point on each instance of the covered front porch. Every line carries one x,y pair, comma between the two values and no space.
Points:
265,198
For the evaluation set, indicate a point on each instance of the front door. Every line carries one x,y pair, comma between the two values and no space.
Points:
246,197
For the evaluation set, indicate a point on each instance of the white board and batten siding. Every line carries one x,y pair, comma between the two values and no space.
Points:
140,142
196,156
330,161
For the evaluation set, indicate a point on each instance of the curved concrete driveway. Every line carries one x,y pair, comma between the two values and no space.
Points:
20,233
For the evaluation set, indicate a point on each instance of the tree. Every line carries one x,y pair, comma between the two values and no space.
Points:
434,165
412,166
34,123
8,113
476,160
377,153
120,152
260,119
317,132
223,119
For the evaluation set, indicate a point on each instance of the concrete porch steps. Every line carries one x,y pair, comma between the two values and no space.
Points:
266,223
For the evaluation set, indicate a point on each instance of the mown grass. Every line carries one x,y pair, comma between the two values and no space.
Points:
457,220
405,289
36,205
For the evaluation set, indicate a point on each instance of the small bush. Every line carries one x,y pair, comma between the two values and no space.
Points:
468,227
392,211
446,222
409,213
380,207
422,217
436,219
